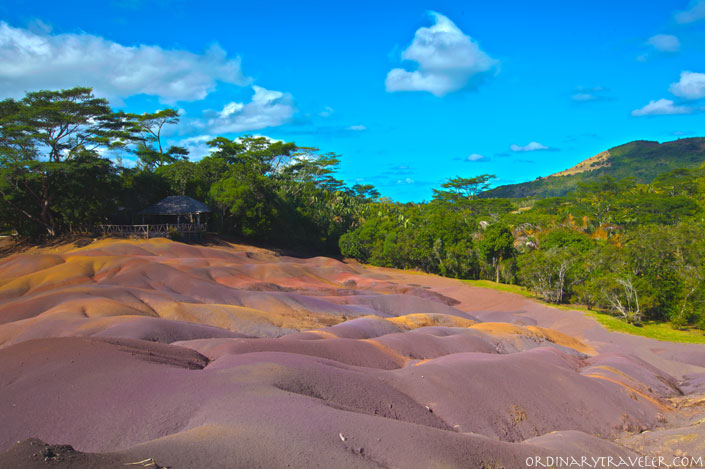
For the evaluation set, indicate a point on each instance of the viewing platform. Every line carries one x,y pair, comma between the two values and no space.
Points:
185,211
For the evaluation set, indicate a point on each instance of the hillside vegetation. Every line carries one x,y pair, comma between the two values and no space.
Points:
643,160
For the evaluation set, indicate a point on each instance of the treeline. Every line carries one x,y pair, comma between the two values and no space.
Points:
637,250
61,171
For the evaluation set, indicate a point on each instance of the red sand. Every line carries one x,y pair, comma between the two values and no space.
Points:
225,357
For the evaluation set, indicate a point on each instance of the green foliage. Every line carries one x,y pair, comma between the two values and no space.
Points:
147,132
497,244
566,238
436,238
459,188
247,197
632,249
51,175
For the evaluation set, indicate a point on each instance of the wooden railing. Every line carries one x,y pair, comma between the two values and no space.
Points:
152,231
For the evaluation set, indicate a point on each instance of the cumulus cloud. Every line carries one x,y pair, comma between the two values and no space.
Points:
358,128
475,157
196,146
690,86
33,59
664,43
661,107
695,12
532,146
448,60
268,108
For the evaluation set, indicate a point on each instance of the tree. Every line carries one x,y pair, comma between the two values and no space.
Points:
247,192
247,199
549,273
497,245
459,187
53,125
180,174
624,299
365,191
41,138
262,154
148,133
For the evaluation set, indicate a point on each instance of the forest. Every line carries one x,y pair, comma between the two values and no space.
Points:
633,249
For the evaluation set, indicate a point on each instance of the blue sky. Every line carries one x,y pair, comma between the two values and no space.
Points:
408,93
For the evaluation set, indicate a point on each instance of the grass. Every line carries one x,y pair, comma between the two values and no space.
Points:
501,287
653,330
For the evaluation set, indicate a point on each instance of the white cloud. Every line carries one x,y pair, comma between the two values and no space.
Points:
690,86
583,97
358,128
267,108
664,43
405,181
532,146
584,94
475,157
661,107
448,60
230,109
196,146
34,60
326,112
695,12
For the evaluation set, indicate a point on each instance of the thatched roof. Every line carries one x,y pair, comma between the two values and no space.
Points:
176,205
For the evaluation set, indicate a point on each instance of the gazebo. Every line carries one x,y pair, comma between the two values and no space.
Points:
174,214
174,207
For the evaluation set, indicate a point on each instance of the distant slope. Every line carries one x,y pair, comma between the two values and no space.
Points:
601,160
641,159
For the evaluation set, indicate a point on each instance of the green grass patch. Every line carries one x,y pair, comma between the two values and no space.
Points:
653,330
501,287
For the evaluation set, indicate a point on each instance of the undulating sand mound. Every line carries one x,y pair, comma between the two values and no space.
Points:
193,356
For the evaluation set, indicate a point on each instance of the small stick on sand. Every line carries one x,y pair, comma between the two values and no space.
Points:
149,462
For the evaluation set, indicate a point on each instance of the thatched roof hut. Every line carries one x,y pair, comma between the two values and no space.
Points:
177,205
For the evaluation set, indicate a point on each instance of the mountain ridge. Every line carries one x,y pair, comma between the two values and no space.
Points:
643,160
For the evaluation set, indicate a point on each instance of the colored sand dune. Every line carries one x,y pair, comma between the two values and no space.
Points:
229,356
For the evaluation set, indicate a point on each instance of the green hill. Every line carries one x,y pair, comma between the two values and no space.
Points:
641,159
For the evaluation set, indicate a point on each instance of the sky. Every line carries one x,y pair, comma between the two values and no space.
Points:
408,93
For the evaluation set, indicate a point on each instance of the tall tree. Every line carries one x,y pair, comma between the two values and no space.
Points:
40,137
260,153
148,133
464,188
497,245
